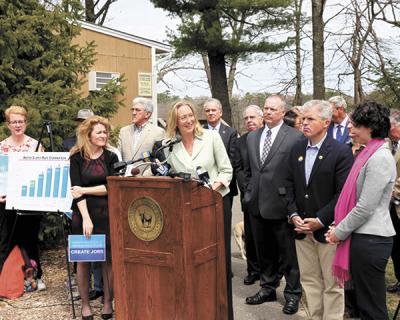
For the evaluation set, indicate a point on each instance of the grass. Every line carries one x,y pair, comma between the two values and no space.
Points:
392,299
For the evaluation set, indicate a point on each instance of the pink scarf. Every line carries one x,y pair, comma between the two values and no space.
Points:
346,202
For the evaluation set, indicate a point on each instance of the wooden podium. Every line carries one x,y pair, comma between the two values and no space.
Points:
167,242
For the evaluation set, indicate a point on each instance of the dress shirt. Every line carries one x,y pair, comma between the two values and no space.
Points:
274,133
311,155
137,132
343,125
216,128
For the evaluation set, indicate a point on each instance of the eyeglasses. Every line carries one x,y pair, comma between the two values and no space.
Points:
19,122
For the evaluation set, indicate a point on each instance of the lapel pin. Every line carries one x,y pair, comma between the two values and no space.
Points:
300,159
320,157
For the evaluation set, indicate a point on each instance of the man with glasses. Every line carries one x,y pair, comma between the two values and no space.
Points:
140,136
266,200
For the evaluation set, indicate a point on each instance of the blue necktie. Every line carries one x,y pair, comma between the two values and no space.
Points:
339,134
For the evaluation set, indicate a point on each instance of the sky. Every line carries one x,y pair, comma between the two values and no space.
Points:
139,17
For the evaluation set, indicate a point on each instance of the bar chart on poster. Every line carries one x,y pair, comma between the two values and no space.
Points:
39,181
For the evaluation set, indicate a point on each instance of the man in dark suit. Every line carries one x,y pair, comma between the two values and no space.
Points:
213,112
266,201
338,128
253,120
319,167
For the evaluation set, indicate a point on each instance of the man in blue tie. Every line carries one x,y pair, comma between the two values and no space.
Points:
338,129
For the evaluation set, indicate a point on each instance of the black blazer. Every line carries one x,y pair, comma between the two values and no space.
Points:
240,163
229,137
266,193
318,198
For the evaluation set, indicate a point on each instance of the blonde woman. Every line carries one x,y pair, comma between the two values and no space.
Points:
91,163
205,149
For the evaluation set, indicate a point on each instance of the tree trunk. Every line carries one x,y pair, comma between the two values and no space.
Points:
219,86
216,58
318,49
89,11
231,75
298,98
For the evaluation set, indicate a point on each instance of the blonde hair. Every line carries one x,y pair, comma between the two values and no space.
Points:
83,133
172,123
15,110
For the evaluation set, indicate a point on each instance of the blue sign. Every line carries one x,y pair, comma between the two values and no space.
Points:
81,249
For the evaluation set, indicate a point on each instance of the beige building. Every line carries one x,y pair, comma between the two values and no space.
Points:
120,53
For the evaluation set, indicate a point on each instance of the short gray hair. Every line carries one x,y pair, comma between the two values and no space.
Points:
256,108
338,101
324,108
213,101
281,98
146,103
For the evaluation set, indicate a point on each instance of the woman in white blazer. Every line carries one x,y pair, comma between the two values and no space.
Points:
364,229
205,149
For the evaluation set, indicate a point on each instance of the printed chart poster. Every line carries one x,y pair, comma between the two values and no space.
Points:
39,181
3,173
81,249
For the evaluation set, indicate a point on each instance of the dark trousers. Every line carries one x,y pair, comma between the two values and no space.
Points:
369,256
274,241
25,235
227,204
250,245
396,242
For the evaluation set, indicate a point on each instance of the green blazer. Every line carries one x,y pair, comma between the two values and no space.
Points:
209,153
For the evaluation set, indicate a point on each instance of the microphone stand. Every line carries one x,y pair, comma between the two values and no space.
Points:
46,126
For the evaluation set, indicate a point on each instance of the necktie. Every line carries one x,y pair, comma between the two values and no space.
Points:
266,147
339,134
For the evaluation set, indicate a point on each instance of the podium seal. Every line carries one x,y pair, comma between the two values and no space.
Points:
145,218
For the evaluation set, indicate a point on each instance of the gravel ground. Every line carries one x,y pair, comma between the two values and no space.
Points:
50,304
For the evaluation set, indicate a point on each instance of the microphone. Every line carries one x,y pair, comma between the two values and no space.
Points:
120,165
135,171
203,176
160,169
169,143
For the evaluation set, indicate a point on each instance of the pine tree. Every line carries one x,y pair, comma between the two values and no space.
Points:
204,29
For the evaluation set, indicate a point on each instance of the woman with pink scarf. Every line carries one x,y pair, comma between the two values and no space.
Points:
363,228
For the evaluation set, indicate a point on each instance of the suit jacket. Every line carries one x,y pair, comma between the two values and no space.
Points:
318,198
267,191
149,136
374,190
345,136
240,163
208,153
396,191
229,137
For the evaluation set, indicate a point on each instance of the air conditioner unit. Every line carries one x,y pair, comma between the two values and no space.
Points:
97,79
